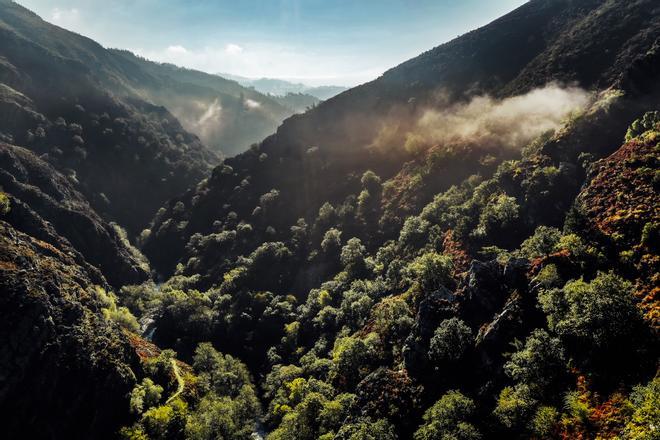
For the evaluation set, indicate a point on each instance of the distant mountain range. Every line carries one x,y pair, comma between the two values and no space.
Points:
280,87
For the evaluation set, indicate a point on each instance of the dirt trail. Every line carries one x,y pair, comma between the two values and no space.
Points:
181,383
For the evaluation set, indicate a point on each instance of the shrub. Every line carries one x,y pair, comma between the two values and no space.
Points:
5,205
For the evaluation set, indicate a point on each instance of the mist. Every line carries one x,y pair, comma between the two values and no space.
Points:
508,123
487,122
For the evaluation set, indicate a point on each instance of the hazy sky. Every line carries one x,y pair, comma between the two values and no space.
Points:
342,42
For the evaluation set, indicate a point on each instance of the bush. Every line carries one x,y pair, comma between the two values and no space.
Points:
5,205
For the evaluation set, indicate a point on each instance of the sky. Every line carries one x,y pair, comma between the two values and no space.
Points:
317,42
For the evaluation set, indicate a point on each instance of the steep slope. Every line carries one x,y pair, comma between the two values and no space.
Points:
65,371
37,192
319,156
620,208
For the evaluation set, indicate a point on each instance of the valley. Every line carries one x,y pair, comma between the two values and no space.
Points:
464,248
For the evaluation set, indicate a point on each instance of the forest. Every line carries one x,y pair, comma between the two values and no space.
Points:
465,248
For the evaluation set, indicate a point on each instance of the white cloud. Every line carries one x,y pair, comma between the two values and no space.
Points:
177,49
252,104
65,17
233,49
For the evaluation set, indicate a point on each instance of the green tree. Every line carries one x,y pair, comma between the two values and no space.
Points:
331,243
543,242
353,258
538,364
369,200
597,319
450,340
431,270
145,395
515,407
650,121
449,418
644,423
351,357
367,429
222,374
500,213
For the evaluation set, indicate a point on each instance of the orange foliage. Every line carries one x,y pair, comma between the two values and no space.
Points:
457,252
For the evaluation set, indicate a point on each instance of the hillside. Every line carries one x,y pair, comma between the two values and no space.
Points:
125,155
45,205
433,231
193,97
227,117
64,369
320,156
465,248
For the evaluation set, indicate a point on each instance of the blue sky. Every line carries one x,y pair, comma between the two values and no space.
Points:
342,42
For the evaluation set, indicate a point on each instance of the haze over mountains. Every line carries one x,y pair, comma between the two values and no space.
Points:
281,87
464,248
228,118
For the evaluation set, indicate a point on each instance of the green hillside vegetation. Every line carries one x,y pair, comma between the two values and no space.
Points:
465,248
